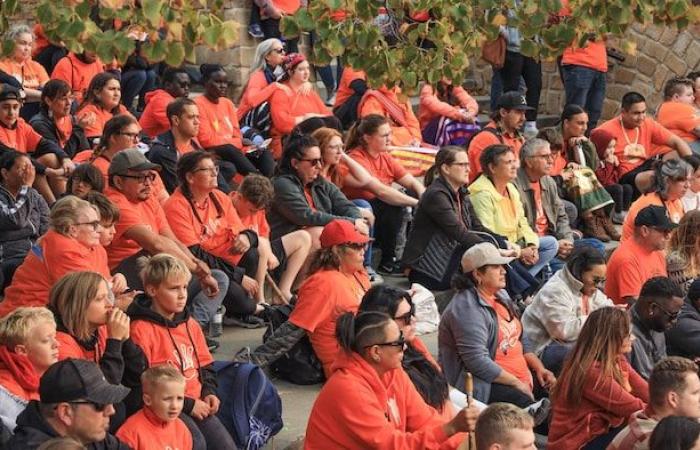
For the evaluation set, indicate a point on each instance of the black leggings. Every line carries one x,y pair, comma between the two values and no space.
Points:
258,162
208,433
622,195
387,224
431,283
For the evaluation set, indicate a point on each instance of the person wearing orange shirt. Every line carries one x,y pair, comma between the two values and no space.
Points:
336,285
271,13
71,244
28,347
78,70
369,401
641,257
167,335
678,112
28,72
405,128
447,114
292,106
351,88
504,128
671,182
639,139
101,103
157,425
176,84
219,131
205,221
47,52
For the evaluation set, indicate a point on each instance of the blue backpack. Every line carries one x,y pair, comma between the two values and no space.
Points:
251,408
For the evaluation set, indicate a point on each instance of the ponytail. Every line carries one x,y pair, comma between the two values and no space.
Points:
364,126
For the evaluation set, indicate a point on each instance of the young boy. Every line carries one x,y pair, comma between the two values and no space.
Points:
157,426
28,346
286,254
162,327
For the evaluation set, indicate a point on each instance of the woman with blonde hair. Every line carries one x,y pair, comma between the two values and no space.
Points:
597,389
683,257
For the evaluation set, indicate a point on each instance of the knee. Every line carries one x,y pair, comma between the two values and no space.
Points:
315,234
49,160
221,279
548,246
303,239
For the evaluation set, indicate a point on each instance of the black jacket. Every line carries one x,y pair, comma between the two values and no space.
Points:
46,127
140,309
291,211
684,338
33,430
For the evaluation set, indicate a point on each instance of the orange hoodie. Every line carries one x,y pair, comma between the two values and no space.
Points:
344,90
401,136
431,106
69,347
146,431
76,73
17,375
358,409
154,120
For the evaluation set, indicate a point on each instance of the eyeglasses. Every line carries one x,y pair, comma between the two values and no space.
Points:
94,224
99,407
672,316
547,157
133,136
313,162
279,51
400,342
151,177
408,317
212,170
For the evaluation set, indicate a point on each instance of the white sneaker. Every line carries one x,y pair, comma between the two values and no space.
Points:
374,277
530,129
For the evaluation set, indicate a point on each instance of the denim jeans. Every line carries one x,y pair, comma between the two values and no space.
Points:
137,82
364,204
518,67
585,87
548,248
553,356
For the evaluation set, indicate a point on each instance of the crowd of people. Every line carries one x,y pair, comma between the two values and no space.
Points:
137,219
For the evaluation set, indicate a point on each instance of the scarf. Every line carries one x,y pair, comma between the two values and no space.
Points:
21,368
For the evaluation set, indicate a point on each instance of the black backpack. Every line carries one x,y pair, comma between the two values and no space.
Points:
300,365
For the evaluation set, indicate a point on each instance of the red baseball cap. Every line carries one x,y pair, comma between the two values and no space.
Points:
340,232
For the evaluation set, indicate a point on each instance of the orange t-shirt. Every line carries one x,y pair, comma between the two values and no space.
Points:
53,256
674,208
131,214
68,346
559,164
287,7
215,232
146,431
101,118
593,55
383,167
22,137
218,123
154,120
509,351
484,139
30,74
400,135
77,74
344,91
680,119
64,126
629,267
323,297
182,347
541,222
256,221
648,137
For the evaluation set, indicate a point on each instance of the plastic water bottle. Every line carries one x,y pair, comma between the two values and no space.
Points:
216,327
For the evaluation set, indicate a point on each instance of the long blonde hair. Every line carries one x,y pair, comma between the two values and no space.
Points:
685,241
70,298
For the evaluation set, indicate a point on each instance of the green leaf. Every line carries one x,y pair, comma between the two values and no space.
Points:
410,79
151,11
334,46
677,9
289,27
333,4
175,54
211,35
229,33
304,20
83,9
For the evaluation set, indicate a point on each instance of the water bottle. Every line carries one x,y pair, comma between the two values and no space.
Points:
216,327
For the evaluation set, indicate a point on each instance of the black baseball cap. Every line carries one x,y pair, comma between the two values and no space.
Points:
9,92
513,100
78,379
654,216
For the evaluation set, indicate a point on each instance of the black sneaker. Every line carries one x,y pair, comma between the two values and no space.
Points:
249,321
390,268
255,31
212,344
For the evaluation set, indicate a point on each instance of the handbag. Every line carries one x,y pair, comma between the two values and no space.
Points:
494,52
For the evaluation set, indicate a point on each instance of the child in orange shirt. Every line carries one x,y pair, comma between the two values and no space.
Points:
157,426
165,332
101,103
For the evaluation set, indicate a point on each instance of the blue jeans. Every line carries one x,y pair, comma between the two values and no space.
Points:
137,82
554,354
202,307
549,246
364,204
557,263
585,87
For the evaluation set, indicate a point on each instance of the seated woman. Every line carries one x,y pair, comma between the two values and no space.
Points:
55,122
368,141
71,244
480,332
352,411
609,172
24,214
205,221
291,106
597,389
305,200
671,180
20,65
447,114
101,103
684,338
218,126
28,346
445,224
497,204
336,284
351,88
683,252
85,178
553,321
266,70
405,128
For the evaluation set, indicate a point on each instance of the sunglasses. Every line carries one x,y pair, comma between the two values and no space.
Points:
279,51
400,342
357,247
313,162
408,317
99,407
